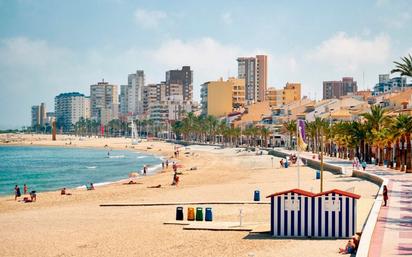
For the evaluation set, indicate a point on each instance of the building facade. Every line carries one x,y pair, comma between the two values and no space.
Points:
38,115
290,93
254,71
337,89
104,103
183,78
171,109
153,93
387,84
70,108
217,98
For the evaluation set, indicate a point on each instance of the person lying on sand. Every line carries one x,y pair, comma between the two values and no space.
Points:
352,245
158,186
132,182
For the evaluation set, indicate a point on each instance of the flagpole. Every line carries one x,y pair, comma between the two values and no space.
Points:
298,150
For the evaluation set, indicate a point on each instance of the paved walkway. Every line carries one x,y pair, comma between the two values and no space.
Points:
393,232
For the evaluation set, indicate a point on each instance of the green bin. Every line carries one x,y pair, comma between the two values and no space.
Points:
199,214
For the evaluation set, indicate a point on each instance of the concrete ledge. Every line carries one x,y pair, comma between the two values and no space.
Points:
315,164
369,226
181,203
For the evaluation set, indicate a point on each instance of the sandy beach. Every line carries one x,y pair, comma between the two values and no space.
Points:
76,225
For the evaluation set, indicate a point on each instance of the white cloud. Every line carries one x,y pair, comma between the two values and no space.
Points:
349,53
227,18
149,19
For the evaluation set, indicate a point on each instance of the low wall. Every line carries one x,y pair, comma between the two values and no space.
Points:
315,164
369,226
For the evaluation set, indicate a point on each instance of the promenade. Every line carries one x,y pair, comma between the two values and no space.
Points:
392,235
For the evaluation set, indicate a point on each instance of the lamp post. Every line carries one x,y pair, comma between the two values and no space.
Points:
321,163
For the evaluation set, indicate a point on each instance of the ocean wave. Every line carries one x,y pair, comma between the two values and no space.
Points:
116,156
141,157
91,167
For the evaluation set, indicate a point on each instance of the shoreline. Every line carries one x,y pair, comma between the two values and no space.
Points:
154,172
221,175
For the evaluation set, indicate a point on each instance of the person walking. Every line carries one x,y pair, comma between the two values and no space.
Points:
385,195
144,170
363,165
25,189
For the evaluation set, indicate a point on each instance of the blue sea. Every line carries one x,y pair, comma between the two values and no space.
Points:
52,168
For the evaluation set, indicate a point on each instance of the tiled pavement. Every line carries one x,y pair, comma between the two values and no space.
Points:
392,235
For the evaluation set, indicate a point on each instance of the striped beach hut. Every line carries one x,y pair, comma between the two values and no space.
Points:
299,213
334,214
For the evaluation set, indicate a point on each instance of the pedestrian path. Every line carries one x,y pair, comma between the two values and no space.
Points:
392,235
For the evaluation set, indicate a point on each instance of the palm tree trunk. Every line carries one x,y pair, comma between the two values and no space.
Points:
398,155
380,163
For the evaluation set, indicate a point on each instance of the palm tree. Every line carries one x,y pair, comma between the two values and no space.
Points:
402,132
265,132
404,67
376,120
290,128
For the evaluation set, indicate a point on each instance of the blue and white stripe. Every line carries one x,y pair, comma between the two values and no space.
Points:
328,216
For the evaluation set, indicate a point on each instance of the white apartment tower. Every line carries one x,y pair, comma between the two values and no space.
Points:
69,108
104,103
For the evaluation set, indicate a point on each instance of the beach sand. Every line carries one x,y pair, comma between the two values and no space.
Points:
77,226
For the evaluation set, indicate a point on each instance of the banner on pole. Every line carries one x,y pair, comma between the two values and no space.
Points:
301,135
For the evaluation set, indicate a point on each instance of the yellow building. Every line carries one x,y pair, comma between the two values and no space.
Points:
238,92
220,97
290,93
217,98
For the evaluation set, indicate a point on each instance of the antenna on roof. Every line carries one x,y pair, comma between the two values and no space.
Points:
363,76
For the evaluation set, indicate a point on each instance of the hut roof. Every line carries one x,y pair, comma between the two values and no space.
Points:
310,194
296,191
340,192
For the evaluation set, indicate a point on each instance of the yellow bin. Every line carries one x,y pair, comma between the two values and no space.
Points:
190,213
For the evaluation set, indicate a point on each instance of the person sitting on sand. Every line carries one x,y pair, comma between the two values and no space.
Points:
349,248
64,192
91,187
33,196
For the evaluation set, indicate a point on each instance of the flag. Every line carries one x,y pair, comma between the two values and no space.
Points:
301,135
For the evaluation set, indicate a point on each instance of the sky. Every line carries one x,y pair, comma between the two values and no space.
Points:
52,47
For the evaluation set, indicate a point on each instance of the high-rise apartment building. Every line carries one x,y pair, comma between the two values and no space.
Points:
131,96
184,78
69,108
262,76
290,93
35,116
254,71
38,115
337,89
153,93
104,103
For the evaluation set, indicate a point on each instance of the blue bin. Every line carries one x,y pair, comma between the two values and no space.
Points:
179,213
317,174
256,197
208,214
